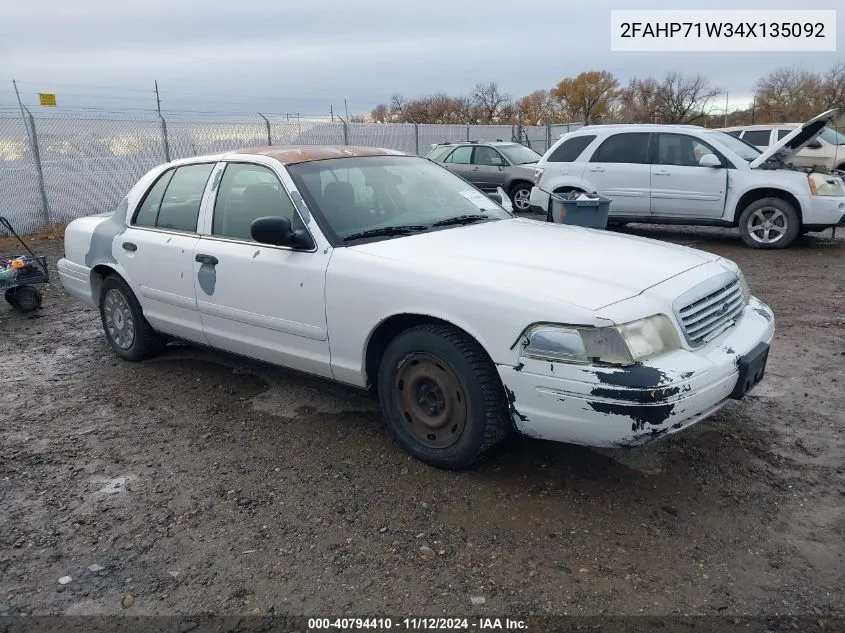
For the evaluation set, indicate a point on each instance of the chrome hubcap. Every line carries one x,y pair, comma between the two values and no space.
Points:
120,324
767,225
522,199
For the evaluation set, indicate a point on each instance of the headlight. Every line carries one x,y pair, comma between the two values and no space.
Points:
620,345
825,185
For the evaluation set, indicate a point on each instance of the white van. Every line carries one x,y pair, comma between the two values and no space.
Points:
827,150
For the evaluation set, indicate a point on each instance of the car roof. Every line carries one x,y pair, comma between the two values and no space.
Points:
291,154
761,126
496,143
629,126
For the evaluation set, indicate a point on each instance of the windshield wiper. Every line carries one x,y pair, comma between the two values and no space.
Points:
462,219
386,231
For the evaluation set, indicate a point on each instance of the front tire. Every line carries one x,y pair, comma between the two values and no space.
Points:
769,223
521,197
127,331
442,397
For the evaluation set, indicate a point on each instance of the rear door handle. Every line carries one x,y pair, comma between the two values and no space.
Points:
129,246
206,259
596,168
663,172
475,169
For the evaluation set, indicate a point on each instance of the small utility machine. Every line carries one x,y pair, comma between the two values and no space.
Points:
20,274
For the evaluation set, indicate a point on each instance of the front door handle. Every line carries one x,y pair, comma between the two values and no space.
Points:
206,259
663,172
596,168
129,246
475,169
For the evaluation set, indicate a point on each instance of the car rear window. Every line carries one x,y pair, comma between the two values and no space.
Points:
757,137
630,147
438,153
571,149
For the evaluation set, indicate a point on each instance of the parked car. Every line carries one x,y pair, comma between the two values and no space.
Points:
387,272
489,165
827,151
684,174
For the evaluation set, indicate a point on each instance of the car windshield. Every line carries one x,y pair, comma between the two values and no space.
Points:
736,145
519,154
833,136
373,197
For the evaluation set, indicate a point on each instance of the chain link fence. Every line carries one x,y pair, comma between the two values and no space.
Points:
57,167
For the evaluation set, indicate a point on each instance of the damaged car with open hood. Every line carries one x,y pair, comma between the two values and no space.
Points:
687,174
387,272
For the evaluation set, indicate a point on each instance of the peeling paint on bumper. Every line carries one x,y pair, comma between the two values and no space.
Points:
636,405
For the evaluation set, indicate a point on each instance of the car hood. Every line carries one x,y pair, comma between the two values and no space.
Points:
585,267
796,140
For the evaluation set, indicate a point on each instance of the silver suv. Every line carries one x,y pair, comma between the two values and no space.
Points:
489,165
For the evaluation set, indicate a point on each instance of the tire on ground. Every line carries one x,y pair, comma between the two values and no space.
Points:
788,211
521,191
24,299
487,419
147,342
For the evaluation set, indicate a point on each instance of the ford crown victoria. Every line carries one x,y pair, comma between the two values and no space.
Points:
387,272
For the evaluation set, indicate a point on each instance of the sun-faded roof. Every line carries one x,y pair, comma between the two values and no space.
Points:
289,154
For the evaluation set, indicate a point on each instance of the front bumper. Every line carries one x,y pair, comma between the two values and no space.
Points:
600,406
823,212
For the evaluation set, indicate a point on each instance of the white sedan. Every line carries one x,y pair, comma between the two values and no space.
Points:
387,272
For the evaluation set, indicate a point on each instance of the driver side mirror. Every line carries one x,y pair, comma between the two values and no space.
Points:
709,160
279,232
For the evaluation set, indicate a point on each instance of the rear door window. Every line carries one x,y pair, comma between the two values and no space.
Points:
760,138
570,149
461,156
629,147
181,204
148,211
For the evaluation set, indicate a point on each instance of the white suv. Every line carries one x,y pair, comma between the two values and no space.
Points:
681,174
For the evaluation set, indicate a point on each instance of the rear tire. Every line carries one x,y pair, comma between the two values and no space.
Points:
442,397
520,195
127,331
24,299
769,223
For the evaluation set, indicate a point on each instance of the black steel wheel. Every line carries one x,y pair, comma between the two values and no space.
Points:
441,396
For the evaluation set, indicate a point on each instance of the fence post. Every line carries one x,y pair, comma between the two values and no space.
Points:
345,133
164,139
548,136
467,132
417,138
36,157
267,123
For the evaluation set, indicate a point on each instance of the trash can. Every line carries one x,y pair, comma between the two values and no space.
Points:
588,210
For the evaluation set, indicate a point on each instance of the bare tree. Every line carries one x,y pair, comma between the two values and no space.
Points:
833,88
638,102
380,114
788,94
538,108
684,99
490,102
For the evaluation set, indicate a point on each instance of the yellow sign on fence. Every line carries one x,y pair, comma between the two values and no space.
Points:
47,98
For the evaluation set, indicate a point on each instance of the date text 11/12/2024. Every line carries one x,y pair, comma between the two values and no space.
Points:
416,624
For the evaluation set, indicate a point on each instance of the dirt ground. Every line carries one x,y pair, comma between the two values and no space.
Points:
202,482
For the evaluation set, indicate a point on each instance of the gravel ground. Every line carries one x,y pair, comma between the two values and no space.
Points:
202,482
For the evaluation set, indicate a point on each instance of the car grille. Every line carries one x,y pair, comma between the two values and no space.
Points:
712,314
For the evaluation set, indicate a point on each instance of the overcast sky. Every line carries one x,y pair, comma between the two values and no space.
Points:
294,56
